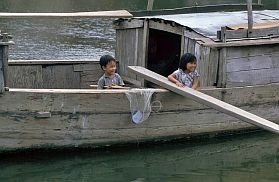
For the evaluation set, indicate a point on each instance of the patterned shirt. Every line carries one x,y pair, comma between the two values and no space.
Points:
106,81
186,78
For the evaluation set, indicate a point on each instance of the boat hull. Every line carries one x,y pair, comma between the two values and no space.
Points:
61,118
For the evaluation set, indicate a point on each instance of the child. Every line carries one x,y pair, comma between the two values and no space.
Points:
186,75
110,78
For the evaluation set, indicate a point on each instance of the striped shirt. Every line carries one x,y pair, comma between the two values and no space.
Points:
106,81
186,78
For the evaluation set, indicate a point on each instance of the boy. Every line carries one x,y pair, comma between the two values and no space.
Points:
110,78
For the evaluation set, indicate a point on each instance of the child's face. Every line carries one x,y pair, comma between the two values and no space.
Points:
110,68
191,66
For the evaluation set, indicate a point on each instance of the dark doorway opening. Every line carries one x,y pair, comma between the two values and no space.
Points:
163,51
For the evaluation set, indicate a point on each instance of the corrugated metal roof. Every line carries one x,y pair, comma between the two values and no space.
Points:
209,23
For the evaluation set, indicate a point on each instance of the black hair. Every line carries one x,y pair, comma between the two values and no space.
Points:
185,59
105,59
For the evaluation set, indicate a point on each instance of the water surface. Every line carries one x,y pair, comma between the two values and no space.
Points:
76,38
249,158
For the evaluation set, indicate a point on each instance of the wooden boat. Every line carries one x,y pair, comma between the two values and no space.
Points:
49,104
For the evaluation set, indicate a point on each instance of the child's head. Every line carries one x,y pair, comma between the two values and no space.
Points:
108,64
188,62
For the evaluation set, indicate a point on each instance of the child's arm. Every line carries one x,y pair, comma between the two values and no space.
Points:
173,79
195,83
119,81
101,84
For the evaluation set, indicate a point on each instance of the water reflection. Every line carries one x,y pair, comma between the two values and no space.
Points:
246,158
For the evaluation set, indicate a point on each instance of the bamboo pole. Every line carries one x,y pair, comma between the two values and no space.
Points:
150,5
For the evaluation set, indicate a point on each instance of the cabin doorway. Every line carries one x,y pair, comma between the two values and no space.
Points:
163,51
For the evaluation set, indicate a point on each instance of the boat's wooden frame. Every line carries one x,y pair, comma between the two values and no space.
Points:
46,104
62,118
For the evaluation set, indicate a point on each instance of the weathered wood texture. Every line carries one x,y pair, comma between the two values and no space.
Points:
132,23
166,26
250,15
135,33
116,14
45,74
4,53
207,65
2,82
225,34
252,65
207,58
130,50
96,119
206,99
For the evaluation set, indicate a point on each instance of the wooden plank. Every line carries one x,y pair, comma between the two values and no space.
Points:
123,24
91,98
50,62
221,82
253,77
176,29
206,99
251,51
110,87
250,16
25,76
244,33
191,46
255,26
213,67
116,14
265,61
2,82
243,43
60,76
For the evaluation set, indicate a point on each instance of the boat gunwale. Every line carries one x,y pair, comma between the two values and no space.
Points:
120,91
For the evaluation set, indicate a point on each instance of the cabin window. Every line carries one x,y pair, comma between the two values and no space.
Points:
163,51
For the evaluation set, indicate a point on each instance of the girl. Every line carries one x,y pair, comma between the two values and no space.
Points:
186,75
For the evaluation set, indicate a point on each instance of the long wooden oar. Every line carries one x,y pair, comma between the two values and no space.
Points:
205,99
115,14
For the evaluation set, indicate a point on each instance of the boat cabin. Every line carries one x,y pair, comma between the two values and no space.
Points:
229,55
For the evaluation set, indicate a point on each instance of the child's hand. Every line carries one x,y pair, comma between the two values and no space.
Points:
111,86
179,84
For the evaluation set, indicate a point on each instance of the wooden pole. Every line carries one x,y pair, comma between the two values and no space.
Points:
250,16
150,5
5,58
205,99
4,63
